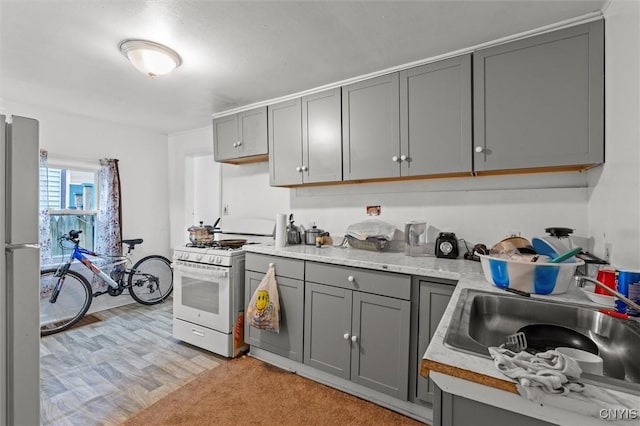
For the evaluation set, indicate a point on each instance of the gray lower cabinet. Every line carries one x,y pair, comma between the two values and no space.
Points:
305,140
454,410
355,334
371,128
434,298
240,137
539,101
289,275
435,118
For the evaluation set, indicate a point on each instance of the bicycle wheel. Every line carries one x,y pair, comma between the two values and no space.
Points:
151,280
68,306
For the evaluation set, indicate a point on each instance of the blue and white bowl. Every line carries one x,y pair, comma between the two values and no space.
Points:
532,277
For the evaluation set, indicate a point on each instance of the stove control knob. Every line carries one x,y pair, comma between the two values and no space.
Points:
212,259
218,259
177,255
199,257
185,256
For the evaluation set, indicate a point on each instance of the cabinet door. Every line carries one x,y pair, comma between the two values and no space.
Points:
538,102
252,132
434,298
322,136
435,114
371,128
380,343
288,342
327,329
285,143
225,137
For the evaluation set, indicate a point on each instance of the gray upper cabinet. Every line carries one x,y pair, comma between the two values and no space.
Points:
322,137
241,137
539,101
305,140
225,137
371,128
435,118
285,143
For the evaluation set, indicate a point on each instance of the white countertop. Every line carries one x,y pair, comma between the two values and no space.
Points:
468,274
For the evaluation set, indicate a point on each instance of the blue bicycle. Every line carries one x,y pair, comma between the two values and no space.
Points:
66,295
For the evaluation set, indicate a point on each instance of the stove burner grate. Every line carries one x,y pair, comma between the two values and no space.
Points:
219,245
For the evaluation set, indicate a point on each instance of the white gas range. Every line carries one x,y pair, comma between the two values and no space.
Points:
208,301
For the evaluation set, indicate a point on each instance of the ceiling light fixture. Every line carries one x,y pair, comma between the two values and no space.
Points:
149,57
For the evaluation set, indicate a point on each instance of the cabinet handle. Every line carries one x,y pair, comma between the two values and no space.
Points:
305,168
354,339
395,158
197,332
298,169
239,143
479,149
403,158
351,278
346,336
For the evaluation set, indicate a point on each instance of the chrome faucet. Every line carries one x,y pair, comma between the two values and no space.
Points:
580,279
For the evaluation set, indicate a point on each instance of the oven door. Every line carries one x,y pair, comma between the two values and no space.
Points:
202,296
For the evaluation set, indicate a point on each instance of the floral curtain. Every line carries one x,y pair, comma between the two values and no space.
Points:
108,227
45,222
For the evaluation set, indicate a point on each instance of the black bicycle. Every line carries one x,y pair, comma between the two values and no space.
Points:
66,295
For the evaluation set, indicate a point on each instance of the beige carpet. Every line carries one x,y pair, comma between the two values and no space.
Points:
247,391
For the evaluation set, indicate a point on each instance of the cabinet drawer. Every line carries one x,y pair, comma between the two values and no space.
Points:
383,283
292,268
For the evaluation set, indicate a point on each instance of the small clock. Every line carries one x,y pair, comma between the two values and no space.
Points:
447,245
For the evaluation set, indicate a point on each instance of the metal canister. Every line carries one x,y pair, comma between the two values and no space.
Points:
626,279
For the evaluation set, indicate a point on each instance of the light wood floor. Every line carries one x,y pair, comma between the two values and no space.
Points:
102,373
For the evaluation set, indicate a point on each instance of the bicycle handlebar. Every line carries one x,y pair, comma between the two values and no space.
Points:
72,236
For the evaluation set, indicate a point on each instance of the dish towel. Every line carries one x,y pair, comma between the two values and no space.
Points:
551,373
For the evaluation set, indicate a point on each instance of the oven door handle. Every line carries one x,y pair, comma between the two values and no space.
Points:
202,273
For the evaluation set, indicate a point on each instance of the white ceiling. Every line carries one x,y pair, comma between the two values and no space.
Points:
64,54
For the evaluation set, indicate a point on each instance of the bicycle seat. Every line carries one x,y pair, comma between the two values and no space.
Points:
132,243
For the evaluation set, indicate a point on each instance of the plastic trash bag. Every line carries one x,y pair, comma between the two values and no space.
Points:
263,311
371,228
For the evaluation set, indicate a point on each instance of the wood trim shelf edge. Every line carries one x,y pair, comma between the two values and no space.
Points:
246,160
428,365
558,169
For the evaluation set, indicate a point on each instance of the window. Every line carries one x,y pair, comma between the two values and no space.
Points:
70,195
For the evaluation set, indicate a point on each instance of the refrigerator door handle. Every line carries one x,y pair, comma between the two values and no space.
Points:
11,247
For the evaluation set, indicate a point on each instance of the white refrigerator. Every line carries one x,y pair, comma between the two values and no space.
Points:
19,272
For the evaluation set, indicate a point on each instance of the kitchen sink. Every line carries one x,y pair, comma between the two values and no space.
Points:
483,319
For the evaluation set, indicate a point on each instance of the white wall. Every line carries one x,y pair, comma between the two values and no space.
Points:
247,193
614,194
194,182
481,209
143,172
